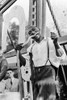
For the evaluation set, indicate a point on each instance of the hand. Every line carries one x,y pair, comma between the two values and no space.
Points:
55,40
18,47
53,36
60,53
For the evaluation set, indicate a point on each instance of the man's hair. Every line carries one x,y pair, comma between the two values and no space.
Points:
32,29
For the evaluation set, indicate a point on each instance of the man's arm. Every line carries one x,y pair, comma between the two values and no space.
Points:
22,60
59,50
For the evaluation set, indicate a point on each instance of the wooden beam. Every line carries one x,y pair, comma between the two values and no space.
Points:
7,5
13,53
63,40
3,3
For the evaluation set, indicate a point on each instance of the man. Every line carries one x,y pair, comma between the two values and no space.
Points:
12,83
42,59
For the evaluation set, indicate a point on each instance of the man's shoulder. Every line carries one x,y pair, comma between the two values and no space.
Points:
30,47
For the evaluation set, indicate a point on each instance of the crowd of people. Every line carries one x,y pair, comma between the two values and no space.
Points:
45,55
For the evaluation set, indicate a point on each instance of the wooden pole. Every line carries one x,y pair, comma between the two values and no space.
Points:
19,76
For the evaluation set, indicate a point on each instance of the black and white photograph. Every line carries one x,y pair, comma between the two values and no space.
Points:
33,49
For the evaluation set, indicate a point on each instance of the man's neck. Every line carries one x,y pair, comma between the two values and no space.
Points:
41,38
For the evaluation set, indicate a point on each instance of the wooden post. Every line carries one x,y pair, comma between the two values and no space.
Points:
19,76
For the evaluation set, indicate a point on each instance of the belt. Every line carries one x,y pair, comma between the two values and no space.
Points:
48,64
37,67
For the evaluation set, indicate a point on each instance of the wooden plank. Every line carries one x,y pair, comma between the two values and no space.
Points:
63,40
3,3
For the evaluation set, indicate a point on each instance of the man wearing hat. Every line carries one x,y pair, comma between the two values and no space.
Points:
42,59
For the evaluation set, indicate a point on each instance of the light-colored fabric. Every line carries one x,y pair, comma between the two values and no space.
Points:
8,84
10,96
12,85
15,84
39,52
55,60
2,86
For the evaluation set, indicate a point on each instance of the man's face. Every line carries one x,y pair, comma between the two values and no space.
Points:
35,36
10,73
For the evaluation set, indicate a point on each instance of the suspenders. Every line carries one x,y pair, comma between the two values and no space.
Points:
47,53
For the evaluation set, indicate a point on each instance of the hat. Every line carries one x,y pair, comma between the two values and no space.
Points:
32,30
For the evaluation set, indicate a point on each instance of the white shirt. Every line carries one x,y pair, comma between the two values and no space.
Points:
40,53
55,60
